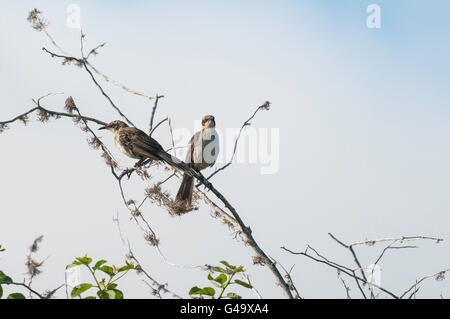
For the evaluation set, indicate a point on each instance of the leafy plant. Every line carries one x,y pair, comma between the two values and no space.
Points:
106,287
222,282
6,280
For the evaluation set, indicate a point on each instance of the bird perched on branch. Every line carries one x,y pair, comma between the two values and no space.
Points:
203,150
138,145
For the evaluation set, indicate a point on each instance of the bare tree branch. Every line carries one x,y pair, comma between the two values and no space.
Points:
31,290
265,106
371,242
157,125
83,63
155,105
341,269
438,276
156,287
40,24
363,279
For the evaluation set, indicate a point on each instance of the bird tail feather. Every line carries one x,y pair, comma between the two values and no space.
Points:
185,190
173,161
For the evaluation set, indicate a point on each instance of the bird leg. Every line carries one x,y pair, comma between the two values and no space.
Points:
139,163
128,172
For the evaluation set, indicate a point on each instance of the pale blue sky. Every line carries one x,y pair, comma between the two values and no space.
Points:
364,133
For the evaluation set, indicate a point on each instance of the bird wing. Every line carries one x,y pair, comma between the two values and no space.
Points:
190,155
203,150
140,143
143,145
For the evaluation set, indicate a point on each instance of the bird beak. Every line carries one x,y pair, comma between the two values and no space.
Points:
103,128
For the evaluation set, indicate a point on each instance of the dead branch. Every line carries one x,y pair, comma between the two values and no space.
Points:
342,269
157,125
401,239
156,287
40,24
247,280
83,63
440,275
363,279
289,280
346,287
265,106
23,117
155,105
31,290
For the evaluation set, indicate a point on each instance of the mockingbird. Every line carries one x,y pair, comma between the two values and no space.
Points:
202,152
136,144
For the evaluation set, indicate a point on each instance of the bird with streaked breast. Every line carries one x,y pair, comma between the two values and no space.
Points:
138,145
203,151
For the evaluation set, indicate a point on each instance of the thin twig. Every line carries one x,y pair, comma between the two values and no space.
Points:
343,270
156,126
437,275
105,77
84,64
118,84
401,239
247,280
155,105
347,288
171,137
289,279
31,290
131,255
265,106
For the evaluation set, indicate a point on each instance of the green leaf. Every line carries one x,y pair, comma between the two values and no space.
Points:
221,279
216,284
99,263
111,286
117,294
107,270
77,290
5,279
16,296
84,260
102,294
239,269
244,284
219,269
125,268
1,291
90,297
228,265
207,291
232,295
74,264
110,294
194,290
